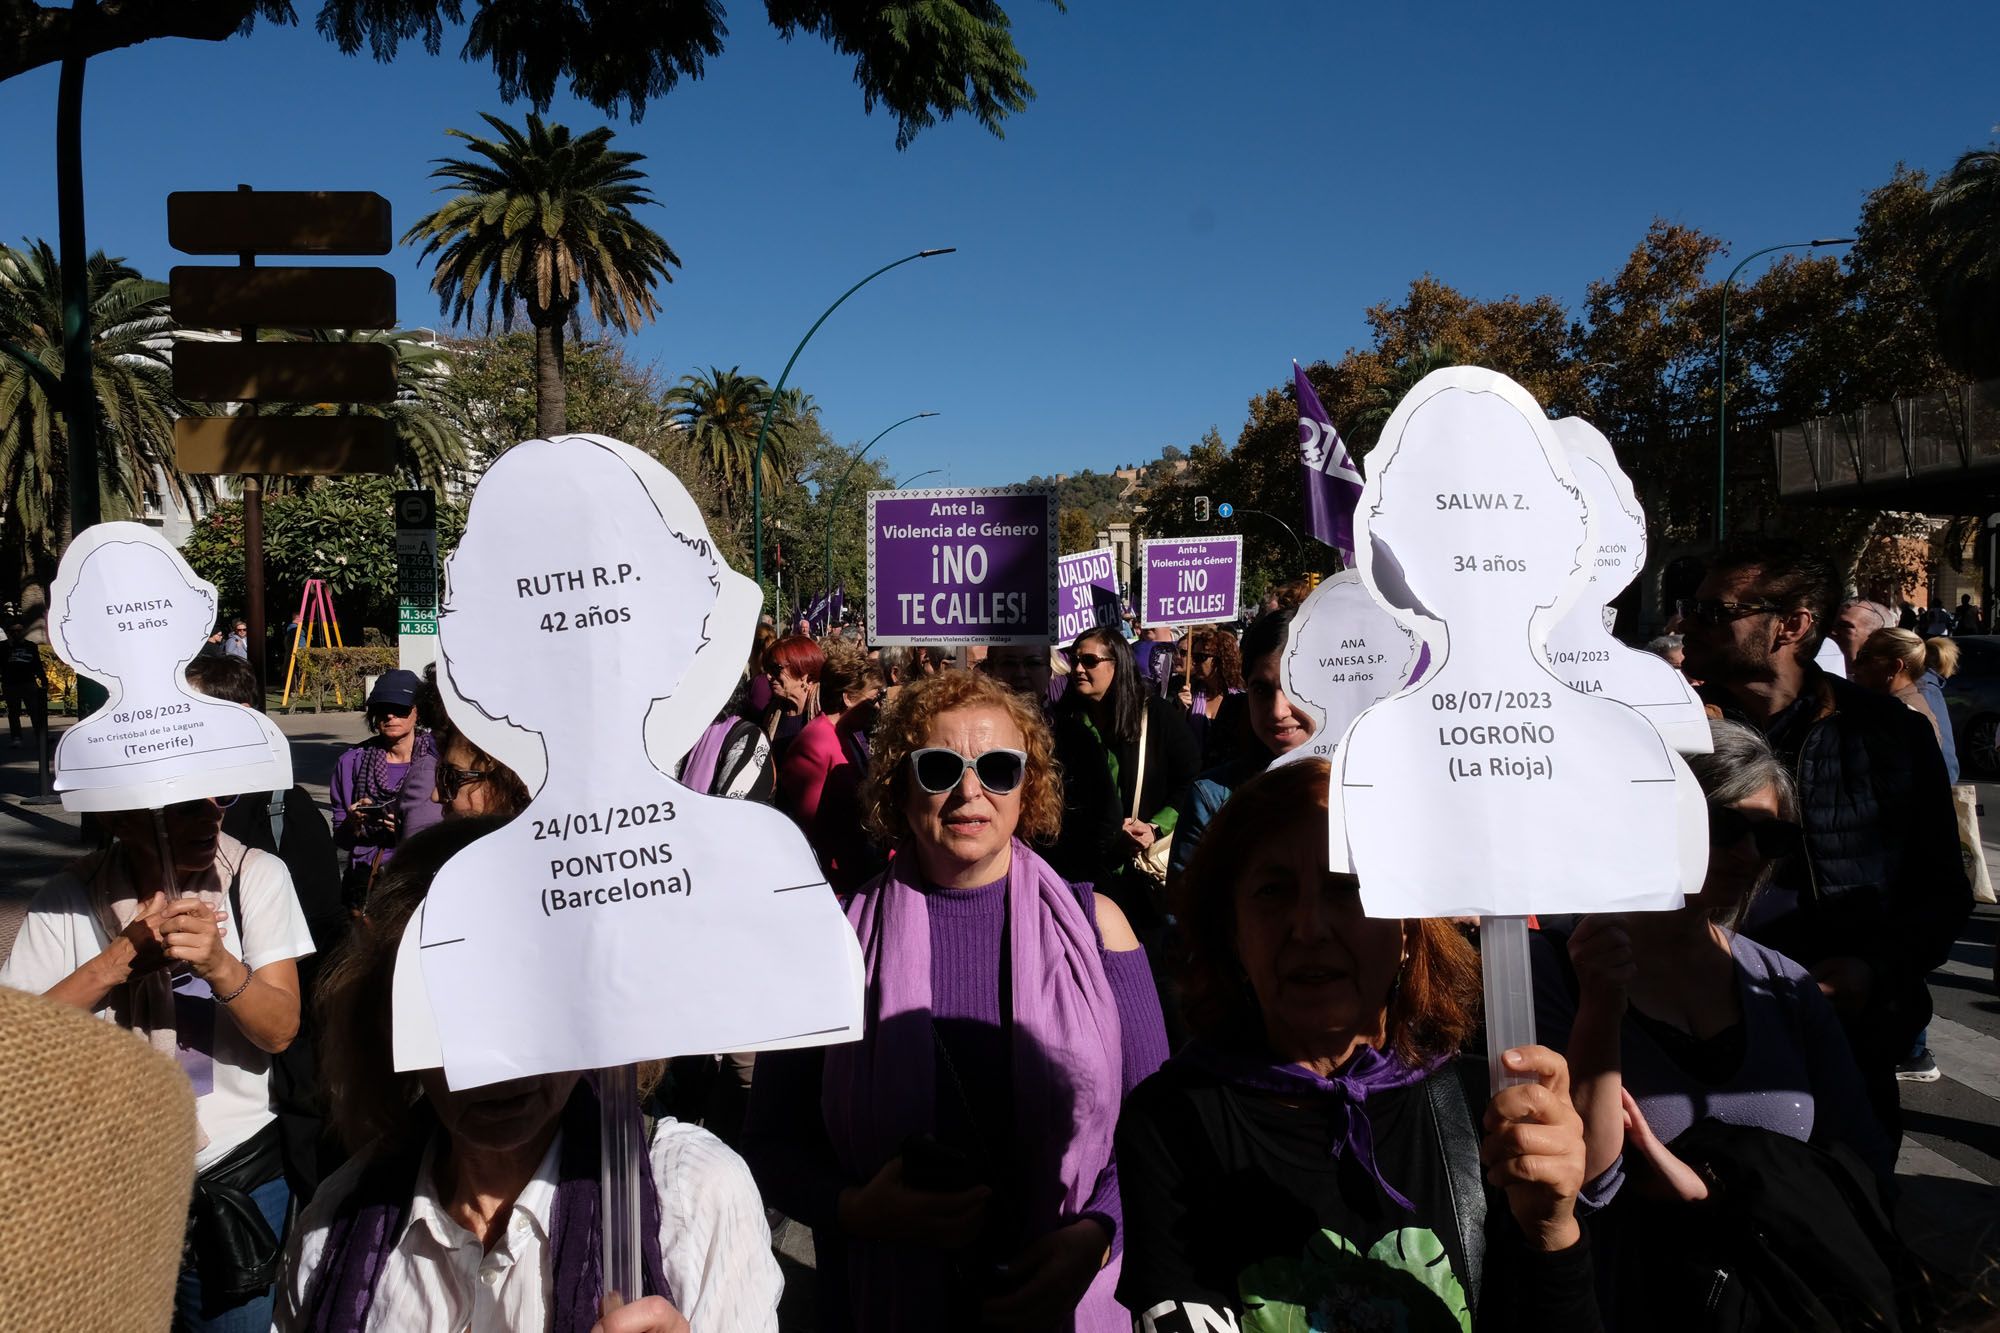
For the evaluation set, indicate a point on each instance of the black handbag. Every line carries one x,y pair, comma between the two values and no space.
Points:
233,1247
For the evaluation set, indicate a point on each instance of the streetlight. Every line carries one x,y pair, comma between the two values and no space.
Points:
1281,523
757,469
919,477
834,503
1722,371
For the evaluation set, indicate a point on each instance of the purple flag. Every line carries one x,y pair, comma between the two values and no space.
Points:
815,614
836,610
1332,481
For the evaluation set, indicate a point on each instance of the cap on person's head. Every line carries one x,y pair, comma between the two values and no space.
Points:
395,688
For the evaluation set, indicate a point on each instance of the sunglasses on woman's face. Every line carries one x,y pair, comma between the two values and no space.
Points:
201,803
452,779
1090,661
939,770
1775,838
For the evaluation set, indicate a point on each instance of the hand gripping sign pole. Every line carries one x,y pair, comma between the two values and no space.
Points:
625,916
1472,530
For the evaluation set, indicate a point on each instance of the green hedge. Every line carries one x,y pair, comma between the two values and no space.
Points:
334,677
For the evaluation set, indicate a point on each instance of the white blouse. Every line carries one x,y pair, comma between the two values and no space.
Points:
714,1244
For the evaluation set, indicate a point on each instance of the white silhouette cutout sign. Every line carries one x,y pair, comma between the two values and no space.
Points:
589,632
1581,647
1491,788
126,611
1344,654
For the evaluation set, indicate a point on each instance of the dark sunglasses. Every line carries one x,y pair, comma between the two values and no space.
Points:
1775,838
1717,611
939,770
1090,661
451,779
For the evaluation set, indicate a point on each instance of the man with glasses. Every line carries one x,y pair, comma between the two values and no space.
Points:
1880,893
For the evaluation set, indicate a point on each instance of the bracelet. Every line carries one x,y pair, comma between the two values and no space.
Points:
248,977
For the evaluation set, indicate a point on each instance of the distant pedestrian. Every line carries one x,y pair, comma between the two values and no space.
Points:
27,684
237,644
1971,619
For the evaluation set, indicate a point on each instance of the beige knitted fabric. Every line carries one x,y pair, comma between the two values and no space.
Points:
96,1166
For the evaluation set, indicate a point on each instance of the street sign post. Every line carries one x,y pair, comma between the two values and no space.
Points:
416,579
244,223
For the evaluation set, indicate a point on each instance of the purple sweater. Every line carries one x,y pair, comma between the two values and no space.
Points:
785,1138
1797,1078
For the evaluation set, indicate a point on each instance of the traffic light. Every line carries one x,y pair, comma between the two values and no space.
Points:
1201,509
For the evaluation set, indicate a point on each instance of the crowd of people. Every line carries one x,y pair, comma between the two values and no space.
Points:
1133,1055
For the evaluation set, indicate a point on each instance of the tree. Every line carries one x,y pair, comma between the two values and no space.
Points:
721,413
342,531
136,404
923,60
1074,531
543,223
1966,289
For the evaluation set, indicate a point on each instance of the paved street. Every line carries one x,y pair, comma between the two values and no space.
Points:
1950,1165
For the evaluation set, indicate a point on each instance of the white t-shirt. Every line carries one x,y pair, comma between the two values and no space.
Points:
231,1076
714,1246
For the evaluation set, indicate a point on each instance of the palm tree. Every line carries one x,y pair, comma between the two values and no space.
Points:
430,447
1404,376
542,222
131,334
1966,291
721,413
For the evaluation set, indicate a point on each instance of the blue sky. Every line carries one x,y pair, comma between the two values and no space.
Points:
1200,193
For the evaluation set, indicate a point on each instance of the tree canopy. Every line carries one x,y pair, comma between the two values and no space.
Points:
922,61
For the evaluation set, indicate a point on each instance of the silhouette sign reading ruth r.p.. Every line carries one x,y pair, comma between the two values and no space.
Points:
1582,649
588,632
126,610
1491,788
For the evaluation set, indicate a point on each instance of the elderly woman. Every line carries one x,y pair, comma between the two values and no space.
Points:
381,789
792,665
1125,753
187,937
956,1164
846,679
1897,662
479,1208
1687,1017
1316,1156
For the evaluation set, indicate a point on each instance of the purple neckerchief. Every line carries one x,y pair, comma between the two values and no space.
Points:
370,1222
1366,1073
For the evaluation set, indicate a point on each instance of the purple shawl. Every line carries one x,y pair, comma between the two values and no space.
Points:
1067,1067
371,1220
698,769
1367,1072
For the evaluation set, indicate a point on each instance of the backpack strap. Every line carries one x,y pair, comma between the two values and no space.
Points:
1456,1133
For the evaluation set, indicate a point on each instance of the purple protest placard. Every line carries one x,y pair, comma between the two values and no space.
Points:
1087,583
1189,580
962,566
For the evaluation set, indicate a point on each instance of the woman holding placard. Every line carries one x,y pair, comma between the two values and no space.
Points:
1322,1151
1124,754
182,934
480,1208
956,1164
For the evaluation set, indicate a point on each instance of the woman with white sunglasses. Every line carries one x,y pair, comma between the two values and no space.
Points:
955,1164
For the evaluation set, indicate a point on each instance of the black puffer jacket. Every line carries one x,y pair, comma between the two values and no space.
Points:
1882,878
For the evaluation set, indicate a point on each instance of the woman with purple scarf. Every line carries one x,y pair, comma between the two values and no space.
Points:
956,1164
381,789
1323,1154
479,1209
